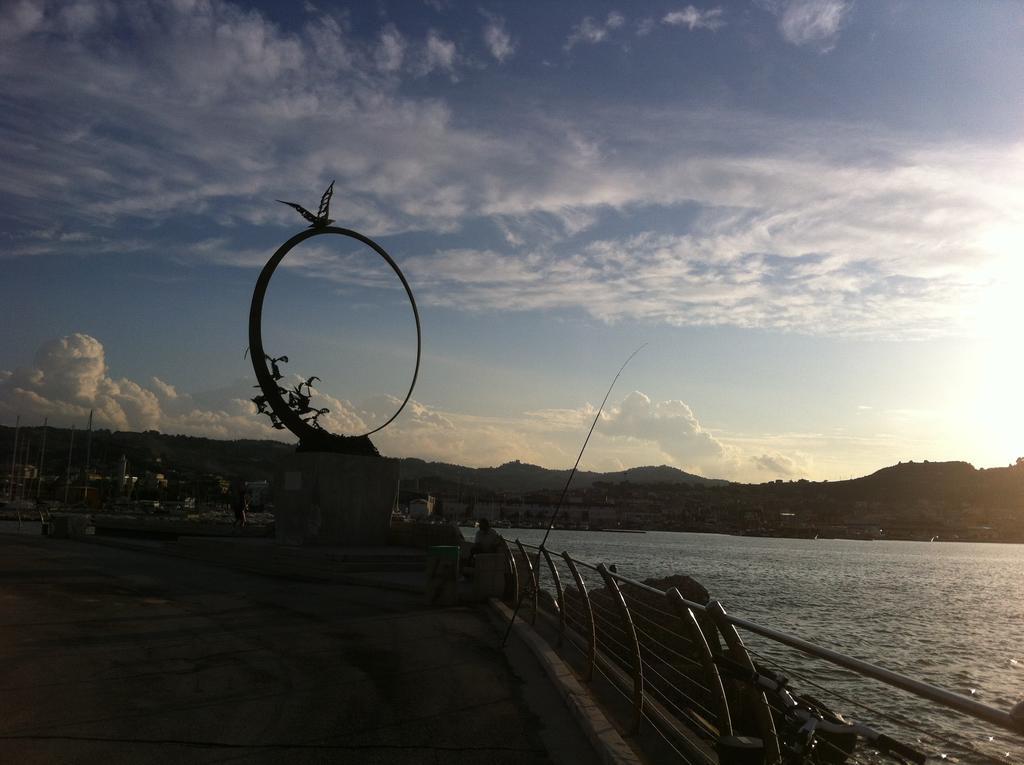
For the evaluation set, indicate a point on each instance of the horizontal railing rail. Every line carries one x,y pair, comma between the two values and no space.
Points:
667,646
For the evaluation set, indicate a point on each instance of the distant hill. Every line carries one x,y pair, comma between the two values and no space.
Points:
147,451
159,452
936,482
521,476
913,480
949,483
943,482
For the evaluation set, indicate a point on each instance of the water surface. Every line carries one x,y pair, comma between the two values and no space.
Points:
948,613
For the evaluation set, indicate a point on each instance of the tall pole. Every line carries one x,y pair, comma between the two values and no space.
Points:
122,474
67,479
88,460
24,467
42,456
14,457
88,449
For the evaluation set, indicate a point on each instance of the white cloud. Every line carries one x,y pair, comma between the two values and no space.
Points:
391,49
799,244
592,32
670,424
20,18
694,18
165,390
823,228
812,22
71,367
69,377
836,453
82,16
439,53
640,431
777,465
287,105
498,40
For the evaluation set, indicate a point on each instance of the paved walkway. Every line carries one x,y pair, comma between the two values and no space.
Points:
116,656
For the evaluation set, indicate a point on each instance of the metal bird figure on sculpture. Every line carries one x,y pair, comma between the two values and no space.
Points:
314,420
276,373
320,220
298,400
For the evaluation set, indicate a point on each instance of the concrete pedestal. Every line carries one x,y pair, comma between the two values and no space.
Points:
68,526
334,499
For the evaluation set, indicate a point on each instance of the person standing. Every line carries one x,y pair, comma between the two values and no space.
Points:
241,504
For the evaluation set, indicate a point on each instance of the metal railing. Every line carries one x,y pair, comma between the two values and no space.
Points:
661,656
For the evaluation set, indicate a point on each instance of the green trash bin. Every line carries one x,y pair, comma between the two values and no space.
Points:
443,575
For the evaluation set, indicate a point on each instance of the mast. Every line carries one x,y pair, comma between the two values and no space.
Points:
88,449
88,460
14,457
24,467
42,456
123,470
67,479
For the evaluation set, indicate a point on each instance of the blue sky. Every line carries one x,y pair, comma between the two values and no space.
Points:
811,210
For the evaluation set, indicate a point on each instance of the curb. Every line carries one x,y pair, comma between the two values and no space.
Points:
608,744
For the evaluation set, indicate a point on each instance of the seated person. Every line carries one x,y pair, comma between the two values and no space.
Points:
487,540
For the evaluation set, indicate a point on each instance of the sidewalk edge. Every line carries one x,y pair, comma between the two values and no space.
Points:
608,744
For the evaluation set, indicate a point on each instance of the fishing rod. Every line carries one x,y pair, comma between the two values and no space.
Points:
572,473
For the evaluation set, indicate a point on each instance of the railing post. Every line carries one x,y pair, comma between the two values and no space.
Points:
630,629
559,602
533,579
707,660
588,671
515,573
738,653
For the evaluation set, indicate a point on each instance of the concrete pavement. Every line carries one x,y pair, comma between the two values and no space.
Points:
116,656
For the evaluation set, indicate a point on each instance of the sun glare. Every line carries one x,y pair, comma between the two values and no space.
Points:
998,397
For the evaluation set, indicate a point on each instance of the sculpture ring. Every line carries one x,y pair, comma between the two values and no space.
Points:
306,433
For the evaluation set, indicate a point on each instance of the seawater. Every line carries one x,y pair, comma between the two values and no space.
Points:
948,613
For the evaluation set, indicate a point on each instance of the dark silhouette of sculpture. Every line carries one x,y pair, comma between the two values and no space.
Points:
317,413
275,369
320,220
292,408
298,400
261,405
298,397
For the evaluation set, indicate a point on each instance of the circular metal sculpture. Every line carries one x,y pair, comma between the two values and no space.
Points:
295,414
